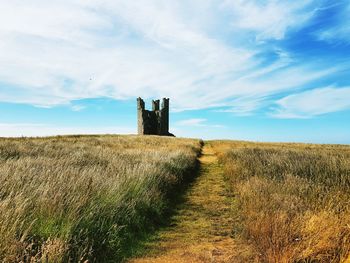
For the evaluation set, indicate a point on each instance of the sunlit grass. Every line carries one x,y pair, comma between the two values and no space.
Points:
291,201
74,198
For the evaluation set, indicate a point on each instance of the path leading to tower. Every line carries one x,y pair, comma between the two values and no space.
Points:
201,229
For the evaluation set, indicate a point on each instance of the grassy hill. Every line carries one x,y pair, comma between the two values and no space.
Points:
96,199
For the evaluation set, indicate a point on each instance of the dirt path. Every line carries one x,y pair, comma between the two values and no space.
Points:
200,231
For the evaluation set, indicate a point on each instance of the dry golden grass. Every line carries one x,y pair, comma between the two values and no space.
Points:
75,198
78,198
291,201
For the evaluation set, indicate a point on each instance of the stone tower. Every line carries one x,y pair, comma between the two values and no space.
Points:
155,122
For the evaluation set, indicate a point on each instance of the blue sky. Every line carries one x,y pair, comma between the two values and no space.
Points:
253,70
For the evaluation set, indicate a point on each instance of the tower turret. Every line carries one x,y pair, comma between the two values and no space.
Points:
155,122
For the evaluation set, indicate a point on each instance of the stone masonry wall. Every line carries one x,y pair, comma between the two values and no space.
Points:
155,122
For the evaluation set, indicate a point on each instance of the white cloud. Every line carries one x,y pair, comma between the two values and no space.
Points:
313,102
78,107
244,105
196,123
34,129
271,18
192,122
197,128
340,31
53,52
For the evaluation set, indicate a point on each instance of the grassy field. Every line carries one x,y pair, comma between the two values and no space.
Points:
78,198
291,201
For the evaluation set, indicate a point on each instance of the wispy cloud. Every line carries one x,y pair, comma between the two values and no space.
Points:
38,129
197,123
313,102
339,30
271,19
78,107
192,122
54,52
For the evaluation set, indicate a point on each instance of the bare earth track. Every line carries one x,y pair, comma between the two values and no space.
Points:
201,229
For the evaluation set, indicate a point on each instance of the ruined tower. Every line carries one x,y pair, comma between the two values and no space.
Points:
154,122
